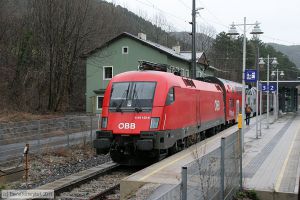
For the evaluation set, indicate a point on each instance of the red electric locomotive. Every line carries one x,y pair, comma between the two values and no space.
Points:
149,114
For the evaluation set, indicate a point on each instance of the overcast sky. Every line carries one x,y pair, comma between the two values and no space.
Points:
280,20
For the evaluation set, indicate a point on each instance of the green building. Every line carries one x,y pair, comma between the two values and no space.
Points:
122,53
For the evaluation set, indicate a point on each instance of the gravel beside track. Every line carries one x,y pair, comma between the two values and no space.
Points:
53,165
106,184
60,171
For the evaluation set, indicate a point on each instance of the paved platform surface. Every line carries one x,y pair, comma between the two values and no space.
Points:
168,171
271,162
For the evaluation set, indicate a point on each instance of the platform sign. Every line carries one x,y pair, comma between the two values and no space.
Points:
264,87
272,87
250,75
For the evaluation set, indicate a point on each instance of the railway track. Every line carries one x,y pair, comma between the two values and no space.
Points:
101,186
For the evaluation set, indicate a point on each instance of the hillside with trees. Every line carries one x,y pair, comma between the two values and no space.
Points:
226,54
292,52
42,41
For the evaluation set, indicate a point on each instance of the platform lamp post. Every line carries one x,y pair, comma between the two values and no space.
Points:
277,93
258,88
274,63
232,31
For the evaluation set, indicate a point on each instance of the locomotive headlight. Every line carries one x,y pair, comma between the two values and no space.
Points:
154,122
104,122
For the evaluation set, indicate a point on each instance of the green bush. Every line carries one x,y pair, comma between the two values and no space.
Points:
247,195
252,195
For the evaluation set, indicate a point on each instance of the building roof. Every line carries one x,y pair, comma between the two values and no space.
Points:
161,48
188,54
200,57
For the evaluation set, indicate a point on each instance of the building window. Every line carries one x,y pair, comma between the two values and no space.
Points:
107,72
182,72
99,102
125,50
187,74
199,74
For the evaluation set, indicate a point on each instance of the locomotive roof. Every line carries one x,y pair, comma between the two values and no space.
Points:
226,84
167,77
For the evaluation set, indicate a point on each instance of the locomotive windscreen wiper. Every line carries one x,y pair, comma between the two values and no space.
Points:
135,96
124,98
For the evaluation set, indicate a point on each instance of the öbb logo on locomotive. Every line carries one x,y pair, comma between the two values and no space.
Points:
126,125
217,105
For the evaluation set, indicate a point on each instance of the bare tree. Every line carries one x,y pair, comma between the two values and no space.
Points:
205,38
61,32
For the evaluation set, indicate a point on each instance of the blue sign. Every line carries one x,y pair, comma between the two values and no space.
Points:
250,75
272,87
264,87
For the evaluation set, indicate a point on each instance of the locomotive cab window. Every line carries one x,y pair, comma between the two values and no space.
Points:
171,96
132,96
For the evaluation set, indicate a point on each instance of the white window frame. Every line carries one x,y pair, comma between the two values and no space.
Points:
97,105
182,72
112,72
124,48
187,73
199,74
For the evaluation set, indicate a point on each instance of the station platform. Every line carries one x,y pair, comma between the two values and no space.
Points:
271,162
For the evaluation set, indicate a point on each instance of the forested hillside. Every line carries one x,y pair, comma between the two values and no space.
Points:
227,56
41,43
40,46
293,52
225,53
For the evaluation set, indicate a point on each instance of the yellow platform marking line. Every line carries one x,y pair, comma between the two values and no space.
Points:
155,171
279,179
170,163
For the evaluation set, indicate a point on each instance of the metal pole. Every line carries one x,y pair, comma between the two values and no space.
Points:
274,106
68,135
184,183
277,99
257,96
91,131
241,160
222,168
268,106
39,136
193,74
260,108
256,125
243,81
240,140
26,151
